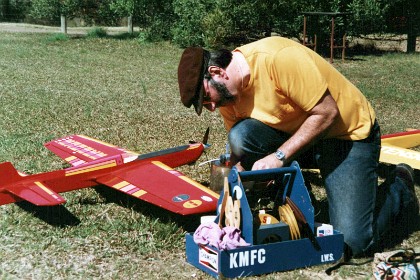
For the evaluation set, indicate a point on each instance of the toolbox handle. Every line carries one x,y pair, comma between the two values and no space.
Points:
266,174
293,186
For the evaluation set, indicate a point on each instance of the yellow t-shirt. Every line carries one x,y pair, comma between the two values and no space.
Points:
287,80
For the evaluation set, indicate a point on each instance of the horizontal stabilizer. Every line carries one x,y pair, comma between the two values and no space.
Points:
37,194
16,186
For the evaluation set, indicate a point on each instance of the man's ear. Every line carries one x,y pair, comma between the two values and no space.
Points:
216,71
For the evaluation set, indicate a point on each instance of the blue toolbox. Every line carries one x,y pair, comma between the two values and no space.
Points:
288,243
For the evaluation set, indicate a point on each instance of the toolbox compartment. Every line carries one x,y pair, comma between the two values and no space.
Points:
281,255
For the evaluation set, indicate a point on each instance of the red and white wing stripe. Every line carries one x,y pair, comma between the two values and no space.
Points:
80,149
163,186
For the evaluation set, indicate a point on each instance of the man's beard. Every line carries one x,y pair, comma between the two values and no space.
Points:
225,96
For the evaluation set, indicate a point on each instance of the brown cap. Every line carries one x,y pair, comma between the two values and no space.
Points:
191,70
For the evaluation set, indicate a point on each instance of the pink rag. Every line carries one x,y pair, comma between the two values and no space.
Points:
208,234
232,239
223,239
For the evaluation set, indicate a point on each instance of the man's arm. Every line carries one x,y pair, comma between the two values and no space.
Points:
320,119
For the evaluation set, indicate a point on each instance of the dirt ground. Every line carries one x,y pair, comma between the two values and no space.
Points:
385,43
33,28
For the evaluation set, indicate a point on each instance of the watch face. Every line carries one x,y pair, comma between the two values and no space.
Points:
280,155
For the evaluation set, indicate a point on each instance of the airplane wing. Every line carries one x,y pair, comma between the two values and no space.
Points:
163,186
395,148
35,192
80,149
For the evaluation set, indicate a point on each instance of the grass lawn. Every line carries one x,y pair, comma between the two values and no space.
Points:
125,93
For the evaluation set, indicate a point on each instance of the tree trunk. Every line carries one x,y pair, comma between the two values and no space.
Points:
4,10
411,34
63,24
130,24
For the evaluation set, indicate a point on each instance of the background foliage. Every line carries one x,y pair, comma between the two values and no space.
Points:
215,23
52,9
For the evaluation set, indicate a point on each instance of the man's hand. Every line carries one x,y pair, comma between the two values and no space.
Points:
239,167
320,119
267,162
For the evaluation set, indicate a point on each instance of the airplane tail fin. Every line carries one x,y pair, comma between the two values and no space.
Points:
14,189
8,173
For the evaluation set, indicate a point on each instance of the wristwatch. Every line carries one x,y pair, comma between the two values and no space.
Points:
280,155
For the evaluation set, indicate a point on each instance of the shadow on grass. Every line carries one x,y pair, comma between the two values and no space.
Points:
57,216
117,36
359,49
357,52
60,216
124,36
188,223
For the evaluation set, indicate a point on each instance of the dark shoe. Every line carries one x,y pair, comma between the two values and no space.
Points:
406,174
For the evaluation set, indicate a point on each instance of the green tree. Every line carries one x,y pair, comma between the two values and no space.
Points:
218,23
403,17
189,29
368,16
154,17
4,9
95,12
237,21
13,10
55,10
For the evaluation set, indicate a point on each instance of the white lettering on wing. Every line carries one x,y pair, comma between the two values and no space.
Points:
401,152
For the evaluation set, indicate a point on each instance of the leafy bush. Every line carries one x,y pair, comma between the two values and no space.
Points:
153,17
58,37
53,9
368,16
13,10
218,23
215,23
215,34
97,32
98,12
238,21
221,22
188,29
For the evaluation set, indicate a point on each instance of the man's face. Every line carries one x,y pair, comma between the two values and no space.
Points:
216,95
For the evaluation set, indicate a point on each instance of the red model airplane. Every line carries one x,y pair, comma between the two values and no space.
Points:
149,177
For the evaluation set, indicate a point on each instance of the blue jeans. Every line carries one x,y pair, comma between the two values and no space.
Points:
358,208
